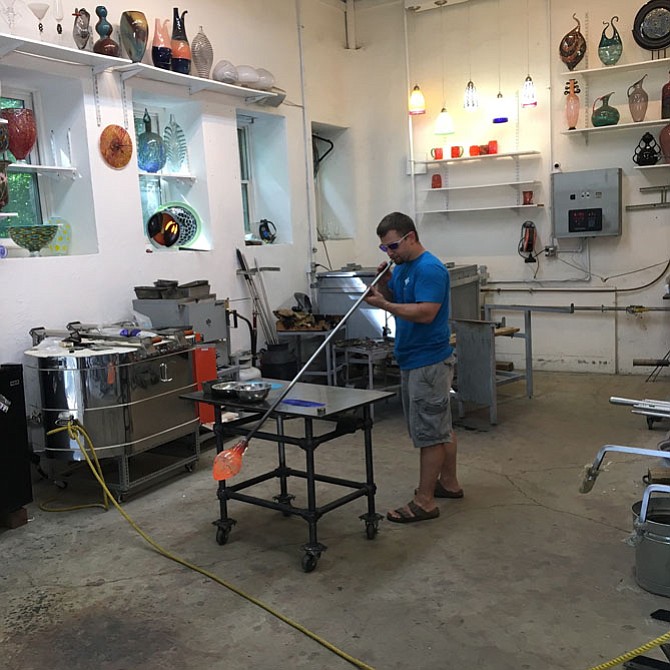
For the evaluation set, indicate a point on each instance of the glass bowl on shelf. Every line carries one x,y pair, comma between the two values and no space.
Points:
32,237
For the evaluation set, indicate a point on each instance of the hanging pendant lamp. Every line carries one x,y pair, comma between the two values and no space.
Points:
528,95
500,109
444,124
417,103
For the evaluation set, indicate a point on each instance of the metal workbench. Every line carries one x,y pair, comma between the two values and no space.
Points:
319,405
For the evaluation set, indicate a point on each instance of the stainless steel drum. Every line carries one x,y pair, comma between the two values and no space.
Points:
126,397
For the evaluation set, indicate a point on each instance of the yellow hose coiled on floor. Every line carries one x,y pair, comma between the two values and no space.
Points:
75,430
635,652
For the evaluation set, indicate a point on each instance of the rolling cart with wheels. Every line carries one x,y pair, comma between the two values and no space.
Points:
317,406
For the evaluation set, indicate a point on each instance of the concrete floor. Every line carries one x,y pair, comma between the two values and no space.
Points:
524,572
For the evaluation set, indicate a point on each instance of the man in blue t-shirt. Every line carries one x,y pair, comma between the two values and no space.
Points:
416,293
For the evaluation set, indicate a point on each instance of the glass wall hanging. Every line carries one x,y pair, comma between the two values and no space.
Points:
651,26
573,46
610,48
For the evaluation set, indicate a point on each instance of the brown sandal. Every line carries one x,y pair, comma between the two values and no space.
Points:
417,514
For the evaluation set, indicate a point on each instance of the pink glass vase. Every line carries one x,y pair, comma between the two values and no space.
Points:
572,103
22,131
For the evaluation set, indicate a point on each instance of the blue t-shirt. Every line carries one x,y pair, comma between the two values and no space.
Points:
425,279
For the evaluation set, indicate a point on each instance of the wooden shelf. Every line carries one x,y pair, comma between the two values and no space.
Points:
464,159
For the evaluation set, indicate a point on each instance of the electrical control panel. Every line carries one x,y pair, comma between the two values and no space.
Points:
586,203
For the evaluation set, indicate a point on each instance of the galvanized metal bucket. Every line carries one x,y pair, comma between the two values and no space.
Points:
651,521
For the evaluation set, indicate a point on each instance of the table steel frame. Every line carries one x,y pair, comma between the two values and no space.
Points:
337,410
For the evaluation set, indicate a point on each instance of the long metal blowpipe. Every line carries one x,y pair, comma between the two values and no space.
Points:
591,472
228,462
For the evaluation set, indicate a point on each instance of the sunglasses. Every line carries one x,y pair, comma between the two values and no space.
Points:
392,246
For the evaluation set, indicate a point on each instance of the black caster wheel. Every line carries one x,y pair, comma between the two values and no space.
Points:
287,513
371,530
650,422
189,467
222,535
309,562
119,498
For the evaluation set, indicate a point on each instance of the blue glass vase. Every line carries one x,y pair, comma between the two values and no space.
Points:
150,148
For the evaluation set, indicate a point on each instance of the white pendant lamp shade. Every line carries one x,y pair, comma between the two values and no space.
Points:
470,99
417,103
444,124
500,109
528,96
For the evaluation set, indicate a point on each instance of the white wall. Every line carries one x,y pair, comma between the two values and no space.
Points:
364,90
604,341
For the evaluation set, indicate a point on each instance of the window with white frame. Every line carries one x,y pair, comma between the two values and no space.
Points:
245,173
26,198
264,175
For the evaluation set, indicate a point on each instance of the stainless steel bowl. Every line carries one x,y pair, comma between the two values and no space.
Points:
225,389
253,391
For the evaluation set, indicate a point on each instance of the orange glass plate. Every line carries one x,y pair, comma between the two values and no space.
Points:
116,146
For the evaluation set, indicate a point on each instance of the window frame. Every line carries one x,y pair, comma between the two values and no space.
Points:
39,187
246,171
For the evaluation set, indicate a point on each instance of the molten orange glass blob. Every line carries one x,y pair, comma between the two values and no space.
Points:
228,462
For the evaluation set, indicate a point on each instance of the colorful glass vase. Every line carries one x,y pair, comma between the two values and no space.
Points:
181,51
134,31
4,186
150,148
572,104
105,45
638,100
647,152
605,115
161,52
573,46
610,48
22,131
81,30
202,54
175,146
664,141
665,101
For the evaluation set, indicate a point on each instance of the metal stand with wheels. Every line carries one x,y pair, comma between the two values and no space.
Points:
317,405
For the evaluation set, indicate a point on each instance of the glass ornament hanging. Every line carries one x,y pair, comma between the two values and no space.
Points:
610,48
573,46
470,98
528,95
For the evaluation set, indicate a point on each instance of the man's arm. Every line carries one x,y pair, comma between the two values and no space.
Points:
418,312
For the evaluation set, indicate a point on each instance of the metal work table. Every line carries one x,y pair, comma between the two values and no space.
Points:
317,403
